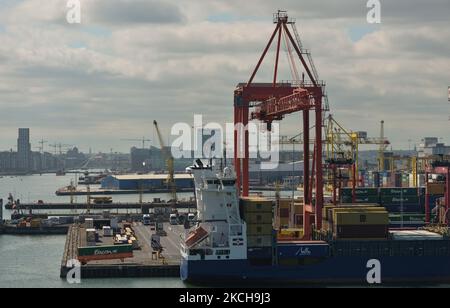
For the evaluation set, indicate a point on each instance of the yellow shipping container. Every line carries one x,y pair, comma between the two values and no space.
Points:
284,221
361,218
256,204
290,233
259,229
258,218
325,210
331,211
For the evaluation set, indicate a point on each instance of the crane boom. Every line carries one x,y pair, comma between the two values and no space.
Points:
169,162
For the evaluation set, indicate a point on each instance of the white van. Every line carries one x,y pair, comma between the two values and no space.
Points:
146,219
173,220
191,217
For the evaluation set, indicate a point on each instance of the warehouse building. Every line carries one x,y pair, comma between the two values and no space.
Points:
145,181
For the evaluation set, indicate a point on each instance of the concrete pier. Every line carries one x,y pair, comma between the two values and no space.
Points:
144,262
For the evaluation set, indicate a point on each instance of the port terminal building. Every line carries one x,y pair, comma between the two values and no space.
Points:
145,181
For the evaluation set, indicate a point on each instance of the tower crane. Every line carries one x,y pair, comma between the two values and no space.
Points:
169,162
41,145
143,140
382,149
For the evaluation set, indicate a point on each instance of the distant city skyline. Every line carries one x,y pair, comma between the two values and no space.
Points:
52,146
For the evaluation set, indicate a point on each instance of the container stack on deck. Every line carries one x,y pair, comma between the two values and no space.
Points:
406,206
258,214
356,222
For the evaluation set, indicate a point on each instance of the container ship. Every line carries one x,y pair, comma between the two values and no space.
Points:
235,240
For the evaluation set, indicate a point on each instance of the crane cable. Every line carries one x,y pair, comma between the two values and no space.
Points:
292,66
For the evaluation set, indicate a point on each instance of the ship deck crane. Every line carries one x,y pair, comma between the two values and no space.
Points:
169,162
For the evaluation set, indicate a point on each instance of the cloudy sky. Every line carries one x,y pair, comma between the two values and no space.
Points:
132,61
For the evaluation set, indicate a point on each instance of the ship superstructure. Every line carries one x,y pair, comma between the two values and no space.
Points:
219,232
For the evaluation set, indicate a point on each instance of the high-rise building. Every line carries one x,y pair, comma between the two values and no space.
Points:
24,150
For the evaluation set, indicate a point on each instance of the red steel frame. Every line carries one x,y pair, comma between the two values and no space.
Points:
273,101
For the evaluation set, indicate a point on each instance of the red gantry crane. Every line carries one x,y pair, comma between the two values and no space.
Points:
272,102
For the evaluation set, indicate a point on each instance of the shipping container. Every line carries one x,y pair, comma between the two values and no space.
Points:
405,208
400,199
360,231
259,218
407,218
105,252
357,207
361,218
392,191
256,204
435,189
259,229
359,191
284,212
361,199
259,241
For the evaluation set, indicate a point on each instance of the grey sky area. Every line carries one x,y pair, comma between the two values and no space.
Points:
132,61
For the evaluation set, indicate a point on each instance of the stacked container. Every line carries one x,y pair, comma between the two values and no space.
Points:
258,214
363,195
402,200
360,223
290,213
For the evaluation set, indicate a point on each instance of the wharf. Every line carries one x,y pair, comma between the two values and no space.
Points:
141,265
105,206
98,191
14,230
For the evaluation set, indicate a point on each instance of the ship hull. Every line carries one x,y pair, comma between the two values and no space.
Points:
333,270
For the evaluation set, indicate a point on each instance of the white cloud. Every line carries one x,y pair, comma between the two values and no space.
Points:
128,64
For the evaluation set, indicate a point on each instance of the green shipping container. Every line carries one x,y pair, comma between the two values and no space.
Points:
384,192
104,250
360,192
406,218
400,199
360,199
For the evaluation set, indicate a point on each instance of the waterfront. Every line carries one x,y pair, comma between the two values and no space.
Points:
33,261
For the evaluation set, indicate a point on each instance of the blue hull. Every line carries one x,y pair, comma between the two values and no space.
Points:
339,270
